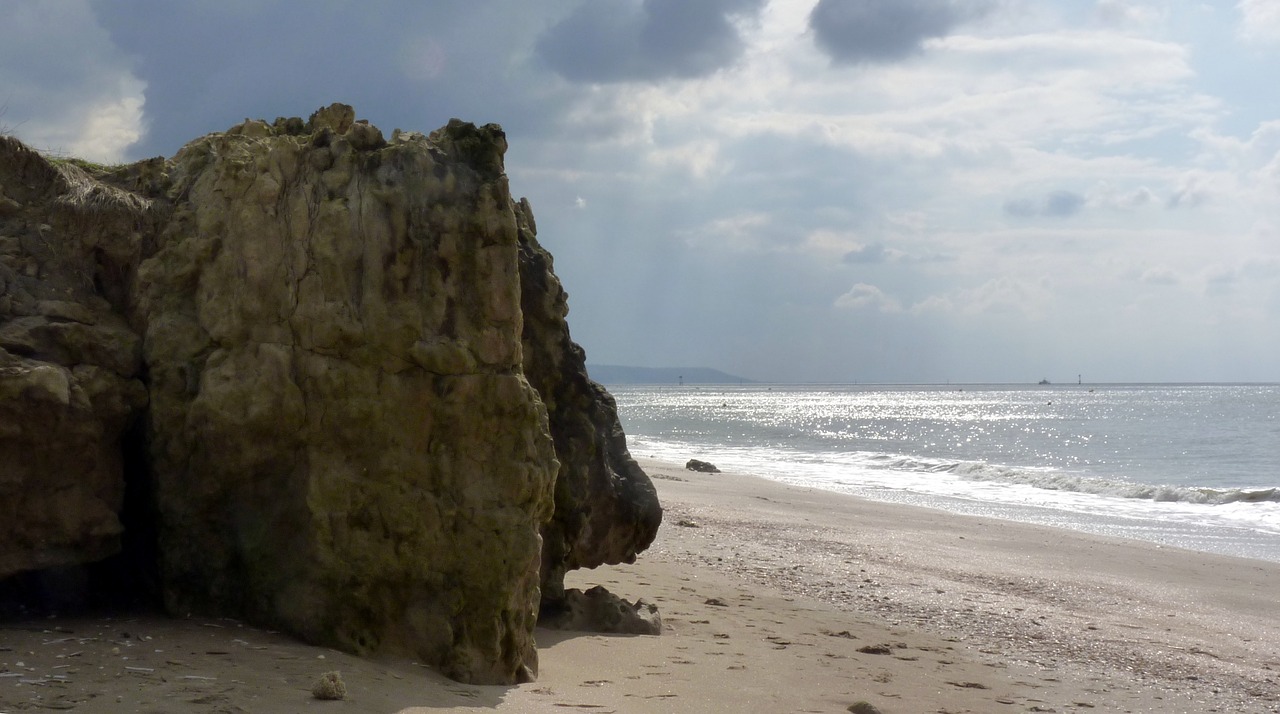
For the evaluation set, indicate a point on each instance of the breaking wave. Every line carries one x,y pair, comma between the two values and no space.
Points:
1054,480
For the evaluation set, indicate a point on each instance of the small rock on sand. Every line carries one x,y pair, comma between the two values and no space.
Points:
330,687
864,707
701,466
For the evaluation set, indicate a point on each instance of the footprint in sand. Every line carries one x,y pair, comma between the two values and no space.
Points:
969,685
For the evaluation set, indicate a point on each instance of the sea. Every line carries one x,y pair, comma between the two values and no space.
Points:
1194,466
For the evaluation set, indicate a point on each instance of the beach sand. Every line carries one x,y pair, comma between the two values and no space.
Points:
774,599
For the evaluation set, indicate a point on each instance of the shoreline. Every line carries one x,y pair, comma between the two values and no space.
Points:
773,598
1124,614
1187,525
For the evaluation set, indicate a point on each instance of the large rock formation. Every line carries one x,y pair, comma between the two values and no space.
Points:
606,508
321,335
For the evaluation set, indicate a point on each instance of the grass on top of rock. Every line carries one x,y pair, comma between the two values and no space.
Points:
92,168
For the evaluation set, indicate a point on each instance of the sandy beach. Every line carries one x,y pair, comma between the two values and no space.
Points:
774,599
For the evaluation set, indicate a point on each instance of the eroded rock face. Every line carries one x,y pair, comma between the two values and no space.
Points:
324,337
607,510
69,365
332,328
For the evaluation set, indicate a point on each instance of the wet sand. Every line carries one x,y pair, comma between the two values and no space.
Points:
774,599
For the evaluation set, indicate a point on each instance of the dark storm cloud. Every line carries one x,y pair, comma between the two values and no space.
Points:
621,40
1055,204
210,63
854,31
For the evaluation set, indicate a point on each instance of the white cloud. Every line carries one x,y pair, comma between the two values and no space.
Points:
1259,20
1002,296
698,160
1123,200
741,232
981,101
1194,189
68,88
831,243
107,130
868,297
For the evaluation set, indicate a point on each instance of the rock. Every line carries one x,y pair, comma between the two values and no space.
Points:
69,366
864,707
61,486
314,470
606,508
338,118
365,137
330,687
701,466
598,610
333,371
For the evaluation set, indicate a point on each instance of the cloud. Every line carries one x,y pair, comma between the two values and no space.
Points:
1129,200
208,64
752,232
802,160
605,41
870,253
878,253
1220,280
1063,203
1259,20
1127,13
1159,275
1001,296
868,297
66,87
856,31
1194,189
1055,204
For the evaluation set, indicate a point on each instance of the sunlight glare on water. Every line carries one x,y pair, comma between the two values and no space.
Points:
1124,459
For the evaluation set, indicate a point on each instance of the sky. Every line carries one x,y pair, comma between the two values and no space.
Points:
786,190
